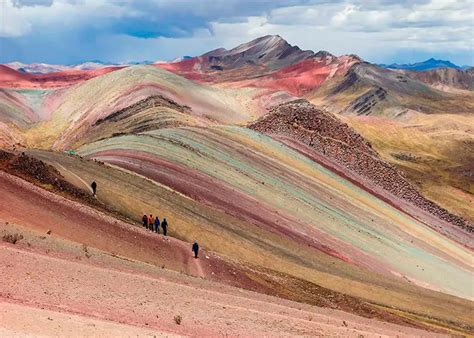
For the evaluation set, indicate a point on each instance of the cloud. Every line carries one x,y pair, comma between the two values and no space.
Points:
73,30
12,24
21,3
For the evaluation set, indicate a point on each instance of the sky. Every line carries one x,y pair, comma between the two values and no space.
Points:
379,31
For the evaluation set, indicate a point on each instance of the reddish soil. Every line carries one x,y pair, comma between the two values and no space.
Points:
296,79
301,78
187,68
185,307
25,203
10,78
23,320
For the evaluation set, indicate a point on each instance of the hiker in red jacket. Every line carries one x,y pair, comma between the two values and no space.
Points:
150,222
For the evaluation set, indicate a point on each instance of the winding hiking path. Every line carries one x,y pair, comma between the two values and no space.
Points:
25,204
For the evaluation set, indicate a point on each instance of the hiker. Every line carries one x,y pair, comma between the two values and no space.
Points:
94,188
164,226
157,225
195,249
150,222
145,221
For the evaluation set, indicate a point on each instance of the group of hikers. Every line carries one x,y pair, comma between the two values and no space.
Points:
153,224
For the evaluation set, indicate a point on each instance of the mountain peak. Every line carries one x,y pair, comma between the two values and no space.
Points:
262,43
271,51
268,38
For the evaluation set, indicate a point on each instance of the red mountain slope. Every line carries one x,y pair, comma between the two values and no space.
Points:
267,62
10,78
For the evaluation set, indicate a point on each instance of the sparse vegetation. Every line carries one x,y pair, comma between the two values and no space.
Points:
12,238
405,157
86,250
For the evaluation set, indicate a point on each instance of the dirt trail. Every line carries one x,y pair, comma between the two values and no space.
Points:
25,204
199,268
76,177
84,290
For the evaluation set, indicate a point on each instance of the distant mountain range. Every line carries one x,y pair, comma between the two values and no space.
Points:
424,65
44,68
287,55
266,62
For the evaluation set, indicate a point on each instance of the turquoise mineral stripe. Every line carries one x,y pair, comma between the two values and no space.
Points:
220,152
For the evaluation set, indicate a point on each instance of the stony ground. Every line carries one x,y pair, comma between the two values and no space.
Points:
110,301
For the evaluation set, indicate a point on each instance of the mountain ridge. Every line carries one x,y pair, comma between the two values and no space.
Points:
431,63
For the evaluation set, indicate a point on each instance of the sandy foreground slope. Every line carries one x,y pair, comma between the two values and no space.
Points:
59,293
22,320
91,292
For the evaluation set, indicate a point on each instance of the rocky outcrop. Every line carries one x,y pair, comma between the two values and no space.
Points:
149,102
327,135
364,104
40,173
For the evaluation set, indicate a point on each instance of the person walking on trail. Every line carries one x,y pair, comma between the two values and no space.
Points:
164,226
94,188
195,249
150,222
145,221
157,225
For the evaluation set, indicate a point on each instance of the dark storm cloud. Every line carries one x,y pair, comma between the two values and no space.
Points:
181,18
